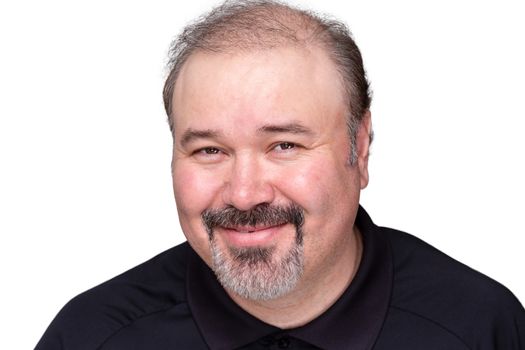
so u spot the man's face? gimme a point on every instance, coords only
(261, 156)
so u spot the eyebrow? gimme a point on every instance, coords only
(291, 128)
(192, 134)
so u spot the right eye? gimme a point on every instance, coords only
(207, 151)
(208, 154)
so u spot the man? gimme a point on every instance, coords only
(269, 110)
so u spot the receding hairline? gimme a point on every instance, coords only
(247, 26)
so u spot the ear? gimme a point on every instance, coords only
(363, 147)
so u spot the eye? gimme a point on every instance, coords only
(284, 146)
(207, 154)
(208, 150)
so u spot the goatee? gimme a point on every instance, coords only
(253, 272)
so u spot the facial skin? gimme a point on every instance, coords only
(268, 127)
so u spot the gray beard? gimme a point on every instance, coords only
(253, 273)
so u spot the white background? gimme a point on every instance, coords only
(85, 188)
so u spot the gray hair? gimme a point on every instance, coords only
(243, 25)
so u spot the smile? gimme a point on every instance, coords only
(250, 236)
(250, 229)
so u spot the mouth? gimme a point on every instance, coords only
(250, 229)
(250, 236)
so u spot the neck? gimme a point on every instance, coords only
(310, 298)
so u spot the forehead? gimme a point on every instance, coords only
(257, 86)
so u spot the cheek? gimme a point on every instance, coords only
(195, 190)
(316, 185)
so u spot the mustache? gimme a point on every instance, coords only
(263, 214)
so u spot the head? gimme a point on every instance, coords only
(268, 107)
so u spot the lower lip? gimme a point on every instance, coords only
(262, 237)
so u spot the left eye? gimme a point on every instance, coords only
(283, 146)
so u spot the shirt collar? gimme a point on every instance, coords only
(354, 321)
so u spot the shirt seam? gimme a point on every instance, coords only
(435, 323)
(105, 341)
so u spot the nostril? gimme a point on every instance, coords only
(247, 197)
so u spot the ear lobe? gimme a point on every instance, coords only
(364, 138)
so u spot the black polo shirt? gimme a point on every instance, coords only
(405, 295)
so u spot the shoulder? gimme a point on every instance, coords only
(92, 317)
(433, 287)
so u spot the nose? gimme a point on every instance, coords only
(248, 184)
